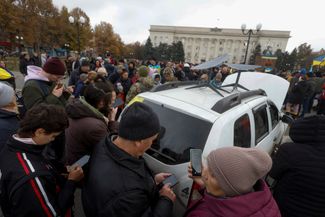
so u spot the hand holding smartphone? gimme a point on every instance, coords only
(196, 161)
(172, 180)
(81, 162)
(59, 85)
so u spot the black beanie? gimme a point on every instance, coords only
(138, 122)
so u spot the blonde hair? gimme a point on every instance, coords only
(102, 72)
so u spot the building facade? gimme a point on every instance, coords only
(203, 44)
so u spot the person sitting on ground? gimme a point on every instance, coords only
(298, 169)
(9, 121)
(233, 185)
(29, 185)
(120, 182)
(91, 118)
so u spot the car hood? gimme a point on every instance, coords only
(275, 87)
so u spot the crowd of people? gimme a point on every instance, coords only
(63, 123)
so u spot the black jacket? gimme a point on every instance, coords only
(29, 185)
(74, 76)
(120, 185)
(298, 92)
(23, 65)
(299, 170)
(9, 124)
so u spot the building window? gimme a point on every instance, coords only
(220, 42)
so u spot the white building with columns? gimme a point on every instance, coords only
(203, 44)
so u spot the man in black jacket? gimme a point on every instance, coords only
(29, 186)
(75, 74)
(120, 183)
(299, 170)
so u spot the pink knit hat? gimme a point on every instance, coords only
(238, 169)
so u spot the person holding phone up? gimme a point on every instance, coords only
(232, 183)
(44, 85)
(91, 118)
(120, 182)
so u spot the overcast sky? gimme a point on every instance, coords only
(132, 18)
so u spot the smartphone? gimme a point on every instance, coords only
(172, 180)
(81, 162)
(196, 161)
(59, 85)
(118, 102)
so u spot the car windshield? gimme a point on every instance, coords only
(180, 133)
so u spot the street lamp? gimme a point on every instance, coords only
(19, 38)
(249, 32)
(81, 21)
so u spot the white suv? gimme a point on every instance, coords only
(203, 119)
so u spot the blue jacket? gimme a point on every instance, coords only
(9, 124)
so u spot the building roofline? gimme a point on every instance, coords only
(215, 31)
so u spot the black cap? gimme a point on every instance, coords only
(138, 122)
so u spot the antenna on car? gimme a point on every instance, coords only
(209, 85)
(210, 64)
(241, 68)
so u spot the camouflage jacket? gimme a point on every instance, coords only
(142, 85)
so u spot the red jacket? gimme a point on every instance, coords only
(256, 204)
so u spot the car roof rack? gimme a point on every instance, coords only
(235, 99)
(173, 85)
(209, 85)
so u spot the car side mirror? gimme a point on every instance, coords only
(287, 119)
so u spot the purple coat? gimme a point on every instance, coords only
(256, 204)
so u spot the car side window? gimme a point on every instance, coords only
(261, 124)
(274, 114)
(242, 132)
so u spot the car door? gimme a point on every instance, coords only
(261, 125)
(276, 127)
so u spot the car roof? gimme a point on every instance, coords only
(196, 102)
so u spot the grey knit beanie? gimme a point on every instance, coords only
(6, 94)
(238, 169)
